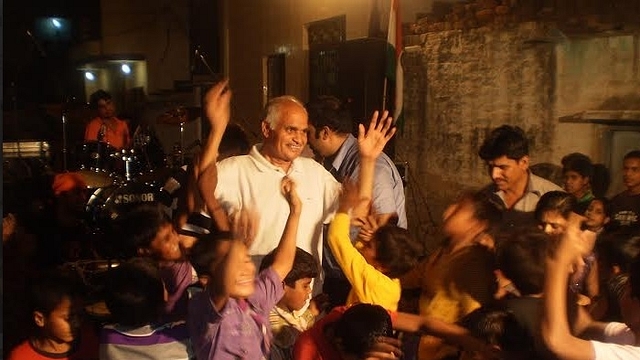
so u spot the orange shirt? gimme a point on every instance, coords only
(116, 135)
(87, 350)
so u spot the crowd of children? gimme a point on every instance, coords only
(567, 288)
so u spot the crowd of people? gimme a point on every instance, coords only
(275, 255)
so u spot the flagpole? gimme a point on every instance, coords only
(384, 94)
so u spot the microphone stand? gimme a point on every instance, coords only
(204, 61)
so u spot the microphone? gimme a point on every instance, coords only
(36, 44)
(194, 61)
(102, 132)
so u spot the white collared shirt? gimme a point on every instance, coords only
(251, 181)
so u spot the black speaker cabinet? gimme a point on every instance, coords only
(353, 71)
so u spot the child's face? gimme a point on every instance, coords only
(61, 324)
(241, 270)
(459, 219)
(596, 217)
(553, 223)
(166, 245)
(575, 184)
(296, 297)
(631, 173)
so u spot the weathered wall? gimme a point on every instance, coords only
(460, 84)
(594, 74)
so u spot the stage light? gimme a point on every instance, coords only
(126, 69)
(56, 23)
(89, 76)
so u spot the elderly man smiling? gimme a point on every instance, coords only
(253, 181)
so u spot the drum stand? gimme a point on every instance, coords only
(64, 139)
(181, 150)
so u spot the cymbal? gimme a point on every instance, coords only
(179, 115)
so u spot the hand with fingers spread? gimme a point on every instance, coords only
(381, 130)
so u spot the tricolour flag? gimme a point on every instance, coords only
(394, 73)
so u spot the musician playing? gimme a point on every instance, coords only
(106, 127)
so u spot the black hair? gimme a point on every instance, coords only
(579, 163)
(619, 248)
(359, 327)
(560, 201)
(135, 292)
(634, 277)
(396, 250)
(329, 111)
(606, 204)
(485, 207)
(521, 258)
(234, 141)
(498, 327)
(601, 180)
(506, 140)
(97, 96)
(138, 227)
(204, 252)
(633, 154)
(304, 266)
(48, 290)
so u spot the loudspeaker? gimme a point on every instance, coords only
(354, 72)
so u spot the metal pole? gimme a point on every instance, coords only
(64, 139)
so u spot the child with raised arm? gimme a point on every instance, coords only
(458, 277)
(567, 257)
(372, 267)
(229, 319)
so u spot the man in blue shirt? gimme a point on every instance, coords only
(331, 139)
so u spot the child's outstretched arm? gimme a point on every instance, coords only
(451, 333)
(574, 244)
(286, 250)
(217, 102)
(370, 146)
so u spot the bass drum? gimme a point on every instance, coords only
(107, 204)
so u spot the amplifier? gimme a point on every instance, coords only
(26, 149)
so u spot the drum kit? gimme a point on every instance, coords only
(118, 180)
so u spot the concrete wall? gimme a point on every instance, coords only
(461, 84)
(280, 27)
(594, 74)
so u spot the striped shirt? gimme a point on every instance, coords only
(167, 342)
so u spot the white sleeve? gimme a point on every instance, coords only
(606, 351)
(618, 333)
(332, 190)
